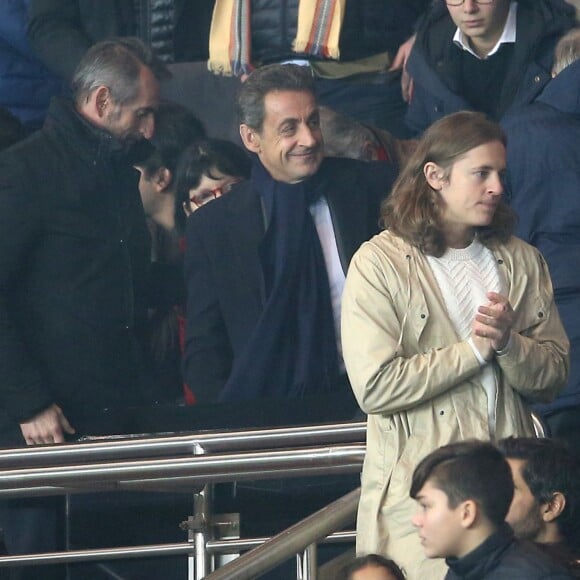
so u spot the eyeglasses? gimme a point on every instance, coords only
(203, 197)
(460, 2)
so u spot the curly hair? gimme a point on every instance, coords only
(413, 210)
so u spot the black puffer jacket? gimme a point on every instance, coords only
(60, 31)
(369, 27)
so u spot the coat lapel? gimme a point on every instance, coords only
(245, 230)
(349, 215)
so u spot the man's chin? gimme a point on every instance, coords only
(310, 166)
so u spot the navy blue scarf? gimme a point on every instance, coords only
(292, 351)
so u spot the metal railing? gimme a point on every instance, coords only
(295, 539)
(192, 461)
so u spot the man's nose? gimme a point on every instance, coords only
(416, 519)
(496, 185)
(307, 136)
(147, 128)
(470, 6)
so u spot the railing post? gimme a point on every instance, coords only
(202, 529)
(309, 563)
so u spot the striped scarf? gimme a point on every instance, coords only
(318, 33)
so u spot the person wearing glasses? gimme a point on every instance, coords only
(483, 55)
(207, 170)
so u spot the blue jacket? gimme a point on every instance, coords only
(434, 61)
(543, 187)
(26, 85)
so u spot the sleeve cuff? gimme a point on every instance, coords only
(480, 359)
(506, 348)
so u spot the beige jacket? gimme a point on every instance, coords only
(418, 382)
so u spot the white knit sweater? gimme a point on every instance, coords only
(464, 277)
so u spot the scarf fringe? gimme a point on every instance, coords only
(230, 42)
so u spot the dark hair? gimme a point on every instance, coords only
(413, 210)
(550, 467)
(272, 77)
(176, 127)
(200, 159)
(469, 470)
(372, 560)
(344, 136)
(11, 129)
(115, 63)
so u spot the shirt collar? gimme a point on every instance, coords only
(508, 34)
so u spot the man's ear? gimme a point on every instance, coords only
(162, 179)
(369, 151)
(434, 175)
(102, 101)
(552, 509)
(468, 513)
(250, 138)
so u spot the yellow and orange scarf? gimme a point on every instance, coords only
(318, 33)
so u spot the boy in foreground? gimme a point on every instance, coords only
(464, 491)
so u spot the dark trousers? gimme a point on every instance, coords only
(32, 525)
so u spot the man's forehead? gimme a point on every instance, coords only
(148, 88)
(289, 104)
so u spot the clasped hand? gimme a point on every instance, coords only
(492, 325)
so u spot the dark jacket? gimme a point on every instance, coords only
(369, 27)
(26, 85)
(74, 254)
(60, 31)
(502, 557)
(543, 183)
(435, 61)
(223, 272)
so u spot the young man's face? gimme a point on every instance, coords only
(438, 525)
(483, 24)
(524, 515)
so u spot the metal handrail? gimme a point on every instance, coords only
(103, 448)
(177, 549)
(151, 463)
(291, 541)
(185, 471)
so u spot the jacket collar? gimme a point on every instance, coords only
(485, 557)
(88, 140)
(245, 217)
(508, 35)
(563, 92)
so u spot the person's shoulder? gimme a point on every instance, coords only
(34, 151)
(518, 248)
(385, 247)
(522, 560)
(236, 202)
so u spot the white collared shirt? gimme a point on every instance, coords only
(323, 221)
(508, 35)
